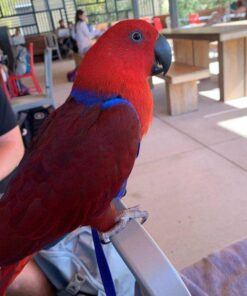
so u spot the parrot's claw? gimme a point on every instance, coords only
(122, 220)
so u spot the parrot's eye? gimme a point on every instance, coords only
(136, 36)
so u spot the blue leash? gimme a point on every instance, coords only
(100, 256)
(105, 272)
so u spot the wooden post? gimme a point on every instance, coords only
(232, 69)
(182, 97)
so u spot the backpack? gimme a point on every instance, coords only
(30, 122)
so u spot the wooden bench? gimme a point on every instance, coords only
(181, 87)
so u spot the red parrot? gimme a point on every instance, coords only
(86, 149)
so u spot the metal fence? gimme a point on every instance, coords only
(39, 16)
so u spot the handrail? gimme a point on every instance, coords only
(150, 266)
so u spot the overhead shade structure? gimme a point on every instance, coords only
(173, 13)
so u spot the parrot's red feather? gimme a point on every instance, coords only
(84, 154)
(70, 181)
(117, 65)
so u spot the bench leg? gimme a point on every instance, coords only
(182, 97)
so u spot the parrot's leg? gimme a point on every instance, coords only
(122, 220)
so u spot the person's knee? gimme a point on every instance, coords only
(14, 289)
(31, 282)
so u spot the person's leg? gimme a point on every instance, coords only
(31, 282)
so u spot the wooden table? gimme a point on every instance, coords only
(191, 46)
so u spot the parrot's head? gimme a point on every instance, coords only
(121, 62)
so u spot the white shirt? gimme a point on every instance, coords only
(83, 37)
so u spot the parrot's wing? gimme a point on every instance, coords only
(70, 176)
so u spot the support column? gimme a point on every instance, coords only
(173, 13)
(135, 6)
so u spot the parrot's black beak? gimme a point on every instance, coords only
(163, 56)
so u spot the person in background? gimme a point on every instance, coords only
(17, 33)
(223, 13)
(11, 144)
(71, 28)
(18, 38)
(84, 40)
(22, 60)
(3, 66)
(84, 33)
(239, 7)
(85, 36)
(65, 40)
(22, 66)
(61, 24)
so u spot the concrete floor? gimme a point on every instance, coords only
(191, 174)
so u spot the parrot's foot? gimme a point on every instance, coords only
(122, 220)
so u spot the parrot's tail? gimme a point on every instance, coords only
(9, 273)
